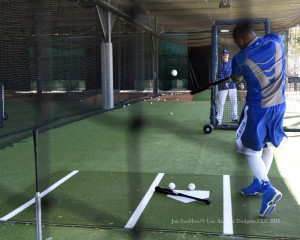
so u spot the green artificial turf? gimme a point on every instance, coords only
(166, 213)
(203, 96)
(93, 198)
(141, 139)
(10, 231)
(283, 222)
(12, 198)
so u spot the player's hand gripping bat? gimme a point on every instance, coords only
(207, 86)
(170, 192)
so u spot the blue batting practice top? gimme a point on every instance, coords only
(262, 65)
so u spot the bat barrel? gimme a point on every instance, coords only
(207, 86)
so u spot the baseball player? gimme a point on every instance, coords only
(261, 63)
(226, 88)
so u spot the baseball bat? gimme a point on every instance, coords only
(207, 86)
(170, 192)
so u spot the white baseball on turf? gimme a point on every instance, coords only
(174, 72)
(172, 186)
(171, 113)
(192, 186)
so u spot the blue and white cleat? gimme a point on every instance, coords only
(270, 196)
(253, 189)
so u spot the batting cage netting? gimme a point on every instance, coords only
(73, 61)
(52, 69)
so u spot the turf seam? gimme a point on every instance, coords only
(148, 230)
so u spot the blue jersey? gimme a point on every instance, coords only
(224, 71)
(262, 65)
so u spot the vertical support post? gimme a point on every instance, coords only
(38, 216)
(267, 26)
(155, 61)
(107, 69)
(38, 211)
(109, 25)
(107, 76)
(120, 55)
(214, 69)
(155, 68)
(42, 33)
(1, 105)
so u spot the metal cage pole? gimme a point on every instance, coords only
(1, 105)
(213, 74)
(38, 206)
(107, 68)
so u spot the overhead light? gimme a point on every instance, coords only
(224, 30)
(224, 4)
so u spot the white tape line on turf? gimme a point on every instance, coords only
(227, 207)
(139, 210)
(32, 201)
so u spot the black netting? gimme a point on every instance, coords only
(51, 63)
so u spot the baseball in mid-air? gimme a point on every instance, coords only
(192, 186)
(171, 113)
(172, 186)
(174, 72)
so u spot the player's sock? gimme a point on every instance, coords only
(267, 157)
(258, 167)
